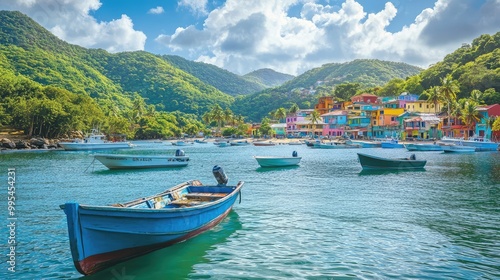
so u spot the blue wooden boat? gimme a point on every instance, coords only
(374, 162)
(391, 144)
(101, 236)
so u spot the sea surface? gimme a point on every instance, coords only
(324, 219)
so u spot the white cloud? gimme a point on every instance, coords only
(196, 6)
(156, 11)
(242, 36)
(71, 21)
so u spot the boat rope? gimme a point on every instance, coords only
(240, 196)
(92, 163)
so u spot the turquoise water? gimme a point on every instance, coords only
(325, 219)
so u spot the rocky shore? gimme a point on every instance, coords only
(28, 144)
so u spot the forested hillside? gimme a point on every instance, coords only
(268, 77)
(363, 72)
(221, 79)
(28, 49)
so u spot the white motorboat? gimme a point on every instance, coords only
(94, 141)
(122, 161)
(271, 161)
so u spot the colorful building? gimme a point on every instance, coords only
(335, 123)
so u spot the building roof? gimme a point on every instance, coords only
(335, 113)
(278, 125)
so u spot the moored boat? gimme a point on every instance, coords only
(264, 143)
(391, 144)
(270, 161)
(122, 161)
(94, 141)
(481, 144)
(335, 145)
(101, 236)
(239, 143)
(374, 162)
(455, 148)
(423, 147)
(365, 144)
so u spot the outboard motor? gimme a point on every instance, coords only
(179, 153)
(219, 175)
(294, 154)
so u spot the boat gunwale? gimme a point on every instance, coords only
(120, 209)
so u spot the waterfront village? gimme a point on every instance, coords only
(367, 116)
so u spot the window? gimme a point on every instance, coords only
(420, 105)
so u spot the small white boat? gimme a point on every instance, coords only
(264, 143)
(94, 141)
(365, 144)
(121, 161)
(181, 143)
(269, 161)
(481, 144)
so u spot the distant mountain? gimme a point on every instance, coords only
(366, 72)
(29, 49)
(268, 77)
(219, 78)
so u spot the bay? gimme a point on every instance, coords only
(324, 219)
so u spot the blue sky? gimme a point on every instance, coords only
(290, 36)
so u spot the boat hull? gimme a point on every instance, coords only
(458, 149)
(69, 146)
(479, 145)
(132, 162)
(373, 162)
(423, 147)
(277, 161)
(101, 236)
(335, 146)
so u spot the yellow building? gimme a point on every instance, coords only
(387, 116)
(422, 106)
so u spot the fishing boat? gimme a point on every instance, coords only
(374, 162)
(239, 143)
(264, 143)
(365, 144)
(203, 141)
(335, 145)
(480, 143)
(94, 141)
(455, 148)
(270, 161)
(122, 161)
(391, 144)
(102, 236)
(181, 143)
(223, 144)
(423, 147)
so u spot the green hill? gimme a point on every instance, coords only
(221, 79)
(366, 72)
(30, 50)
(268, 77)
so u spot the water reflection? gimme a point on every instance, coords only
(177, 261)
(365, 172)
(282, 168)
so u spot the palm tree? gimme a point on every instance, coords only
(448, 90)
(280, 113)
(434, 97)
(314, 118)
(477, 96)
(469, 114)
(228, 116)
(217, 115)
(294, 109)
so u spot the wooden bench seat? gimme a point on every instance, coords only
(205, 195)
